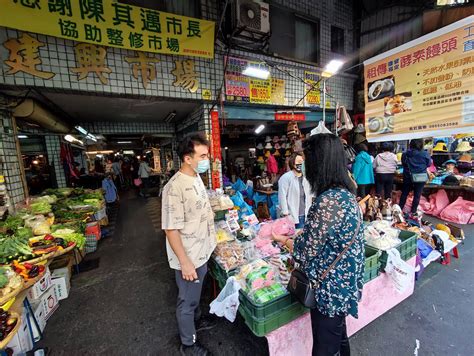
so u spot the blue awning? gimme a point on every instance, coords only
(264, 114)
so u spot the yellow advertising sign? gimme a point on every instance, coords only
(113, 24)
(423, 88)
(260, 91)
(313, 94)
(241, 88)
(278, 91)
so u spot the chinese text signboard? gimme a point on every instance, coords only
(24, 56)
(113, 24)
(312, 91)
(241, 88)
(422, 88)
(289, 117)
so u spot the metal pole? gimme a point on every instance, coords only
(324, 100)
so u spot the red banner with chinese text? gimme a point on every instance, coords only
(216, 151)
(289, 117)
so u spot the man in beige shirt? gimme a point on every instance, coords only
(188, 221)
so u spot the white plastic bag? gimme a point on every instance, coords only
(320, 129)
(227, 302)
(401, 273)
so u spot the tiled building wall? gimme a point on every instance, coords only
(329, 12)
(53, 148)
(58, 56)
(9, 164)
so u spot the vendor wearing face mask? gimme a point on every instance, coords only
(294, 192)
(188, 221)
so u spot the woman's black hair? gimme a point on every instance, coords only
(362, 147)
(292, 160)
(326, 164)
(416, 144)
(387, 146)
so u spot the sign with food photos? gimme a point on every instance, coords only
(423, 88)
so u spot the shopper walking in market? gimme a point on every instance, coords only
(188, 221)
(332, 230)
(415, 163)
(294, 192)
(385, 165)
(363, 171)
(144, 173)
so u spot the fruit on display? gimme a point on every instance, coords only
(7, 323)
(28, 270)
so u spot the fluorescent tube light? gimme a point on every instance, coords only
(81, 130)
(22, 136)
(332, 67)
(259, 129)
(124, 142)
(255, 72)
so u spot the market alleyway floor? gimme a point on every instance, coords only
(127, 304)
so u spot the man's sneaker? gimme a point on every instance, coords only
(205, 323)
(194, 350)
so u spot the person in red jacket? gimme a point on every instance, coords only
(272, 166)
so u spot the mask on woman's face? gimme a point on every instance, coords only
(298, 167)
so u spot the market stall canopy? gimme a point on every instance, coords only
(263, 114)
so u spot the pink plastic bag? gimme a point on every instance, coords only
(284, 226)
(460, 212)
(438, 201)
(409, 203)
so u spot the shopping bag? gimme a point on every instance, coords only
(344, 122)
(401, 273)
(320, 129)
(227, 302)
(137, 182)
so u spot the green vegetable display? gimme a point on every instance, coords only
(3, 277)
(12, 223)
(71, 236)
(12, 248)
(24, 234)
(40, 208)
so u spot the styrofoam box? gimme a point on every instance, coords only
(62, 287)
(37, 290)
(21, 342)
(39, 313)
(61, 272)
(49, 302)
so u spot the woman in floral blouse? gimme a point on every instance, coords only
(330, 226)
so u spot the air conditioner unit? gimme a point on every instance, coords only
(253, 16)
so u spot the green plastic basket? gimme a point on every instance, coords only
(407, 248)
(261, 327)
(266, 310)
(372, 264)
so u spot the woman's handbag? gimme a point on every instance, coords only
(419, 177)
(137, 182)
(302, 288)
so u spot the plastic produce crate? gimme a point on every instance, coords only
(372, 264)
(261, 327)
(266, 310)
(407, 248)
